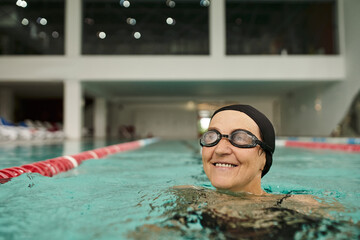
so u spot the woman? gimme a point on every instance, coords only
(236, 153)
(237, 149)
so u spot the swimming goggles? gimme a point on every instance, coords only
(239, 138)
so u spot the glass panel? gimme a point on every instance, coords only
(31, 27)
(281, 27)
(145, 27)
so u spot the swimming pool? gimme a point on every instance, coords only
(129, 195)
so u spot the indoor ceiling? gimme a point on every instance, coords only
(207, 90)
(155, 91)
(30, 89)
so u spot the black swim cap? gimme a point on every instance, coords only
(266, 129)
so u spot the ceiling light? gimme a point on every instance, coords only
(125, 3)
(25, 22)
(137, 35)
(170, 21)
(170, 3)
(204, 3)
(131, 21)
(101, 35)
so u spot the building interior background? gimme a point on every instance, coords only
(143, 68)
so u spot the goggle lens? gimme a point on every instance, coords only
(209, 137)
(238, 138)
(242, 138)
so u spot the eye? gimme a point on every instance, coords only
(210, 137)
(242, 138)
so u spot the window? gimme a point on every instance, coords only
(145, 27)
(33, 27)
(281, 27)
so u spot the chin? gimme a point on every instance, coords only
(220, 184)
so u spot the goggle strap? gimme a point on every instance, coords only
(265, 146)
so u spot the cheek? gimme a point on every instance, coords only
(249, 158)
(258, 160)
(245, 155)
(262, 160)
(206, 157)
(206, 154)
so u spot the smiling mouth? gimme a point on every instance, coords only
(229, 165)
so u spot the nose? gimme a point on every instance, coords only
(223, 147)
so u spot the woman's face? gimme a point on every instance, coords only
(243, 168)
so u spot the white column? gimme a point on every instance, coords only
(73, 16)
(7, 104)
(72, 87)
(72, 109)
(217, 29)
(100, 117)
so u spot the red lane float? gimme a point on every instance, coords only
(57, 165)
(322, 145)
(12, 172)
(34, 169)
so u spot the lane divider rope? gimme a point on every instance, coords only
(72, 160)
(51, 167)
(322, 145)
(331, 144)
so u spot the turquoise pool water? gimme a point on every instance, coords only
(17, 154)
(129, 195)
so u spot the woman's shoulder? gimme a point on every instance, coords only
(305, 198)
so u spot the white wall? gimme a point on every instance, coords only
(160, 120)
(166, 123)
(184, 68)
(298, 114)
(175, 120)
(126, 116)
